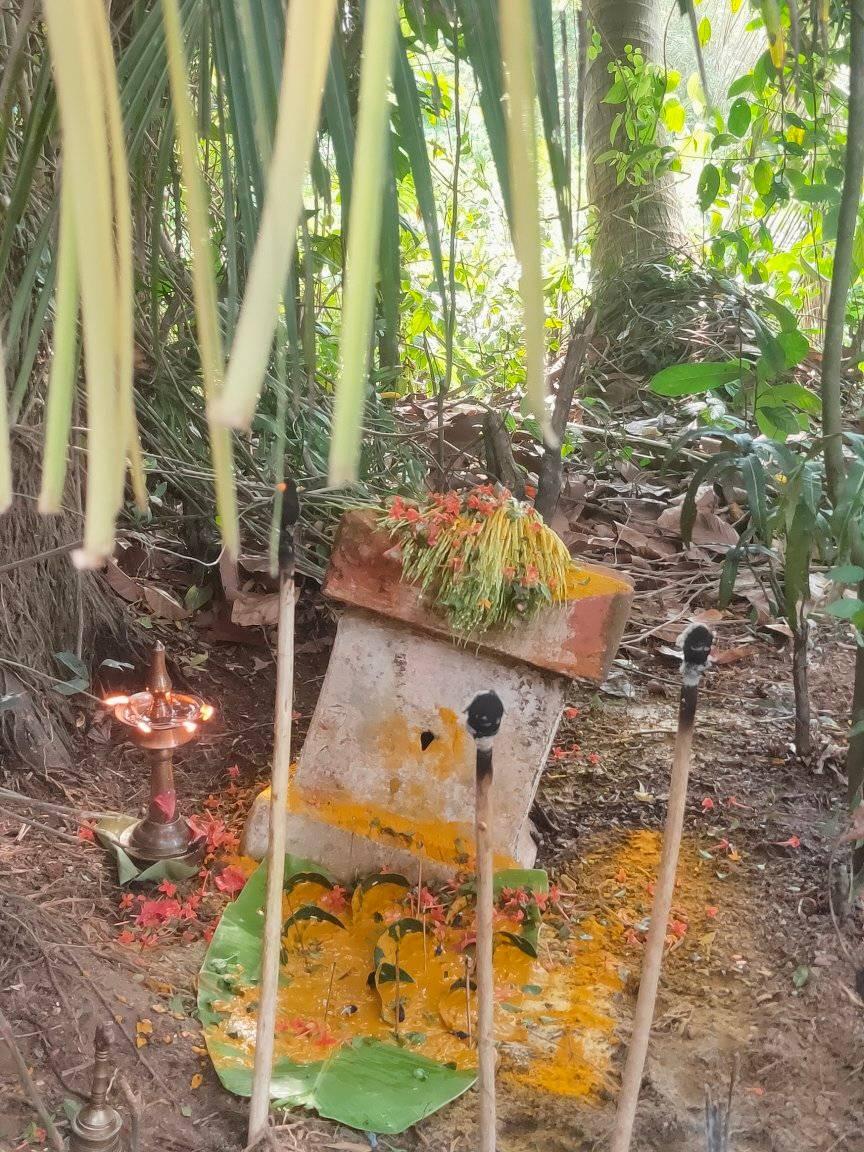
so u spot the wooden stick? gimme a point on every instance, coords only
(697, 642)
(484, 719)
(259, 1105)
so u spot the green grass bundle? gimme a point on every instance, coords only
(486, 559)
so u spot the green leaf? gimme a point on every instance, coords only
(80, 681)
(858, 250)
(846, 608)
(307, 57)
(340, 125)
(550, 113)
(364, 233)
(739, 117)
(708, 186)
(790, 393)
(480, 22)
(728, 576)
(74, 663)
(197, 596)
(799, 547)
(517, 35)
(776, 423)
(369, 1084)
(412, 138)
(689, 379)
(742, 84)
(795, 347)
(673, 115)
(786, 319)
(520, 942)
(753, 476)
(311, 912)
(617, 94)
(536, 879)
(763, 177)
(846, 574)
(773, 361)
(387, 973)
(801, 975)
(704, 31)
(695, 90)
(306, 878)
(817, 194)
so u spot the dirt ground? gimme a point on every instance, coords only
(758, 979)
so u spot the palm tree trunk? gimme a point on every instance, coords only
(634, 223)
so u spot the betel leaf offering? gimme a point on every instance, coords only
(486, 559)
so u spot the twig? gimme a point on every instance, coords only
(329, 992)
(54, 1137)
(697, 646)
(136, 1109)
(484, 720)
(259, 1105)
(67, 837)
(57, 809)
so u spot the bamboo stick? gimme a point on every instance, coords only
(484, 719)
(259, 1105)
(696, 642)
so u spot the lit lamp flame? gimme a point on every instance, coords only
(113, 701)
(145, 726)
(206, 711)
(190, 725)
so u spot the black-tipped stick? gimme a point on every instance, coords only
(259, 1105)
(484, 719)
(696, 642)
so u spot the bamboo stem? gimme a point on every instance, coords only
(484, 719)
(259, 1105)
(485, 971)
(697, 645)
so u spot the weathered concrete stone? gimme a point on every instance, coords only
(386, 776)
(388, 759)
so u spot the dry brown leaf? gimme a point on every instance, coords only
(654, 547)
(732, 655)
(254, 609)
(164, 605)
(122, 584)
(708, 616)
(196, 1081)
(708, 529)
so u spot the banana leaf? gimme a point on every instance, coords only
(368, 1085)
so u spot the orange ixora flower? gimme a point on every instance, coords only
(486, 559)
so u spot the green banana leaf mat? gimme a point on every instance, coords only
(368, 1084)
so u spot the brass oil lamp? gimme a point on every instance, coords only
(96, 1126)
(160, 720)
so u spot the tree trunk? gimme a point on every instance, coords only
(634, 223)
(552, 464)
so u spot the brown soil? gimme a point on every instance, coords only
(762, 980)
